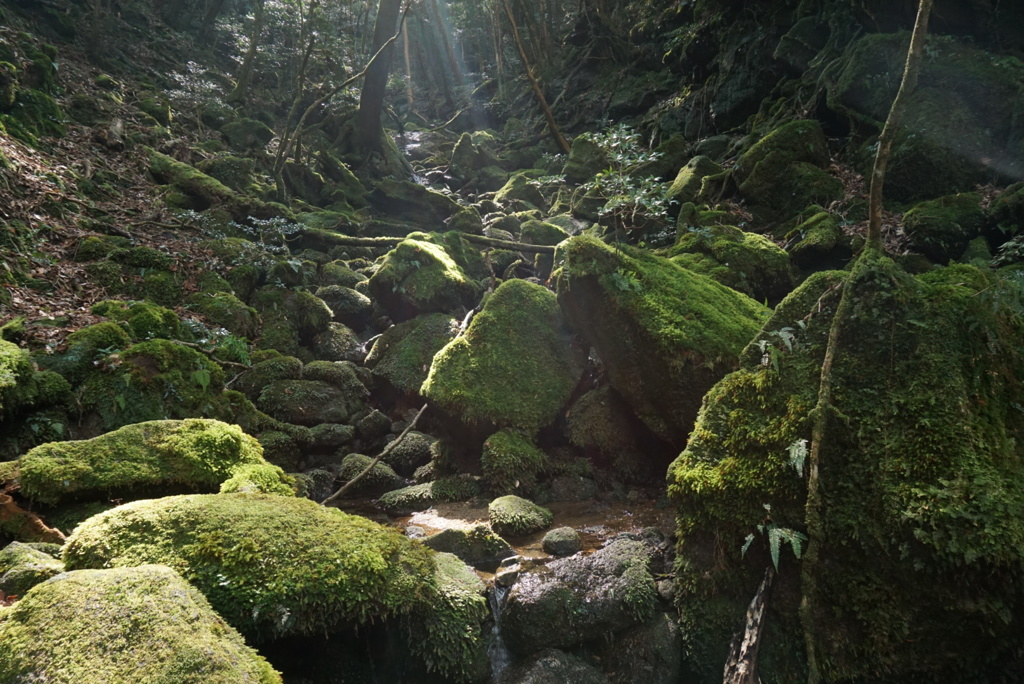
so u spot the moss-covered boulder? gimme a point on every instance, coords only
(581, 598)
(381, 477)
(959, 122)
(746, 262)
(350, 307)
(687, 185)
(586, 160)
(22, 388)
(411, 453)
(421, 276)
(290, 317)
(515, 516)
(513, 367)
(541, 233)
(304, 402)
(121, 625)
(690, 328)
(144, 319)
(202, 191)
(142, 458)
(820, 243)
(414, 203)
(603, 425)
(276, 566)
(476, 545)
(422, 496)
(782, 173)
(520, 194)
(152, 380)
(941, 228)
(920, 566)
(247, 134)
(23, 566)
(227, 311)
(561, 541)
(511, 462)
(261, 374)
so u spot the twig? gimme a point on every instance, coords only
(341, 492)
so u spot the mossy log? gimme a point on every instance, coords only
(388, 242)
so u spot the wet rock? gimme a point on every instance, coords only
(561, 541)
(581, 598)
(552, 666)
(514, 516)
(478, 545)
(651, 653)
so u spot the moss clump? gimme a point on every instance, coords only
(413, 202)
(352, 308)
(203, 191)
(408, 500)
(380, 478)
(226, 311)
(941, 228)
(234, 172)
(687, 185)
(337, 343)
(516, 516)
(252, 382)
(690, 327)
(921, 550)
(247, 134)
(403, 354)
(337, 273)
(511, 462)
(150, 381)
(513, 367)
(420, 276)
(520, 193)
(134, 624)
(541, 233)
(144, 319)
(302, 313)
(158, 455)
(259, 478)
(21, 387)
(98, 247)
(746, 262)
(411, 453)
(272, 566)
(303, 402)
(142, 257)
(821, 243)
(23, 566)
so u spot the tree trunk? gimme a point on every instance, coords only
(911, 70)
(238, 95)
(371, 99)
(213, 11)
(741, 667)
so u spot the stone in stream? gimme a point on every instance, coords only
(561, 541)
(515, 516)
(478, 545)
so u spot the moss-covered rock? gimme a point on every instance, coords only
(422, 496)
(746, 262)
(414, 203)
(227, 311)
(514, 516)
(23, 566)
(922, 529)
(411, 453)
(337, 343)
(421, 276)
(941, 228)
(247, 134)
(127, 624)
(603, 425)
(586, 160)
(303, 402)
(380, 478)
(299, 314)
(338, 273)
(147, 458)
(477, 545)
(687, 185)
(144, 319)
(203, 191)
(581, 598)
(513, 367)
(234, 172)
(350, 307)
(520, 194)
(152, 380)
(690, 327)
(320, 570)
(511, 462)
(782, 173)
(22, 388)
(561, 541)
(821, 243)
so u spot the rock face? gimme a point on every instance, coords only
(552, 666)
(690, 328)
(922, 478)
(165, 455)
(403, 354)
(126, 624)
(580, 598)
(513, 367)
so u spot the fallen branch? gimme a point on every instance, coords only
(387, 450)
(25, 525)
(741, 667)
(348, 241)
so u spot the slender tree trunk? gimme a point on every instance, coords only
(911, 71)
(371, 99)
(556, 133)
(238, 95)
(213, 11)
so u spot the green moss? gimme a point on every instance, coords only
(304, 402)
(420, 276)
(338, 374)
(106, 274)
(515, 516)
(303, 312)
(940, 229)
(511, 462)
(150, 457)
(407, 500)
(158, 108)
(259, 478)
(413, 202)
(136, 624)
(203, 190)
(97, 247)
(234, 172)
(247, 134)
(586, 160)
(144, 319)
(162, 287)
(244, 280)
(519, 193)
(319, 570)
(513, 367)
(337, 343)
(22, 566)
(380, 478)
(142, 257)
(687, 185)
(227, 311)
(746, 262)
(403, 354)
(690, 328)
(337, 273)
(541, 233)
(821, 242)
(34, 115)
(921, 550)
(263, 373)
(150, 381)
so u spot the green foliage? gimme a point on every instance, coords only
(77, 628)
(630, 200)
(776, 537)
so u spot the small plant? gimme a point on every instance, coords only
(632, 201)
(777, 536)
